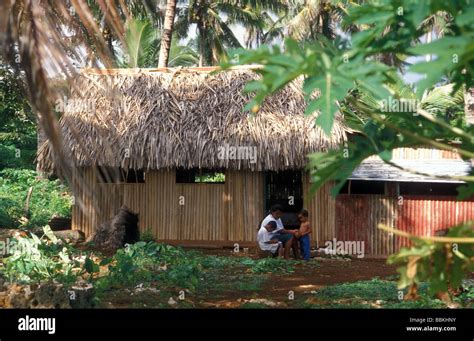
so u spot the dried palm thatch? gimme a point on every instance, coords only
(154, 119)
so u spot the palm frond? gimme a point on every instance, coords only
(183, 55)
(141, 44)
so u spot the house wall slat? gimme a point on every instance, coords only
(322, 210)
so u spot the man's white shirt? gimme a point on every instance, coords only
(269, 218)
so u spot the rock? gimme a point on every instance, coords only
(50, 296)
(264, 301)
(15, 295)
(264, 254)
(60, 224)
(70, 236)
(81, 296)
(171, 301)
(46, 295)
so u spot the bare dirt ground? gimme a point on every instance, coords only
(274, 292)
(274, 289)
(327, 272)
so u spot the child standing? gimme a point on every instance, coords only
(303, 234)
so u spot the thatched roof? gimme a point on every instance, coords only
(154, 119)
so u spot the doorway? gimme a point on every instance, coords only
(285, 188)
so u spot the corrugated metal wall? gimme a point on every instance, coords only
(357, 218)
(426, 215)
(420, 154)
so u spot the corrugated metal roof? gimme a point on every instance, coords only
(378, 170)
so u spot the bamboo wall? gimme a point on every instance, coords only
(244, 202)
(207, 212)
(322, 210)
(210, 212)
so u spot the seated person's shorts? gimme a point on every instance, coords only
(283, 237)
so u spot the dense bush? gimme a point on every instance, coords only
(34, 259)
(10, 159)
(18, 142)
(48, 198)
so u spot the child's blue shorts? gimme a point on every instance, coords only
(305, 246)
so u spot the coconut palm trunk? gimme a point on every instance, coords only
(469, 105)
(167, 33)
(201, 44)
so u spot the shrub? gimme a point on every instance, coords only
(35, 259)
(147, 236)
(49, 198)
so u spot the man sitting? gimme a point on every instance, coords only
(280, 233)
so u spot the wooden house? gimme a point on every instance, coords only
(177, 147)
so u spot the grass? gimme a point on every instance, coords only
(375, 293)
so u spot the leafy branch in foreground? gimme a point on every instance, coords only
(442, 265)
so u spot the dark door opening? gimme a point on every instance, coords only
(286, 189)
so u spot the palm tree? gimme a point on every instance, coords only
(183, 55)
(307, 19)
(440, 102)
(213, 20)
(142, 44)
(167, 33)
(270, 27)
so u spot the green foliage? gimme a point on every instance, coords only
(211, 177)
(366, 294)
(17, 123)
(147, 236)
(49, 198)
(213, 20)
(146, 262)
(349, 78)
(34, 259)
(328, 71)
(150, 262)
(131, 265)
(375, 289)
(142, 45)
(441, 265)
(270, 265)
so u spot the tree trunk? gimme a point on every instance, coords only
(40, 138)
(469, 105)
(167, 33)
(26, 211)
(202, 45)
